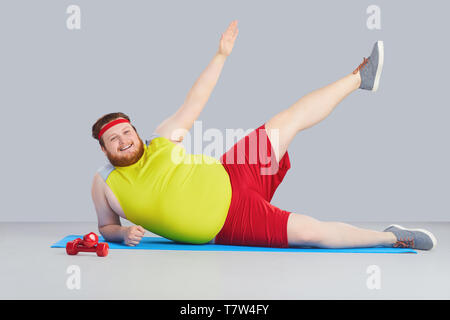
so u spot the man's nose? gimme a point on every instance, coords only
(123, 142)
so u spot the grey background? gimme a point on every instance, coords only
(378, 157)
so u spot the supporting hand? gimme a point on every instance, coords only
(133, 235)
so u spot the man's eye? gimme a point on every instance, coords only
(113, 138)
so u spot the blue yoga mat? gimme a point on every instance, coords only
(158, 243)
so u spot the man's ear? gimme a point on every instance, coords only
(103, 149)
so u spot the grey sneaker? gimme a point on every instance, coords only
(412, 238)
(370, 68)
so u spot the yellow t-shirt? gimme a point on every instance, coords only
(179, 196)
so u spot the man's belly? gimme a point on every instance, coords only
(115, 205)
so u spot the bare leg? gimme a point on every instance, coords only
(306, 231)
(308, 110)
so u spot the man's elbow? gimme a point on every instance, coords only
(101, 230)
(112, 232)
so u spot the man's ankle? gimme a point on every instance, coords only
(390, 238)
(357, 79)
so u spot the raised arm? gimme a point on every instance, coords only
(176, 126)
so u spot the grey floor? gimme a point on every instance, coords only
(30, 269)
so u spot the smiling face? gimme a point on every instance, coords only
(123, 146)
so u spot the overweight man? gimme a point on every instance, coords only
(198, 199)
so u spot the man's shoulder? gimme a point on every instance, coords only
(98, 182)
(105, 170)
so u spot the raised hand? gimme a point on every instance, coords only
(228, 38)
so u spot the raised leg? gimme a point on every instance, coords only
(317, 105)
(307, 111)
(303, 230)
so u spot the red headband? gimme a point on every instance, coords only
(109, 125)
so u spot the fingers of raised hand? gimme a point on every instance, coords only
(232, 30)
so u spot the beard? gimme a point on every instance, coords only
(127, 158)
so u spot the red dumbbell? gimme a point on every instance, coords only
(89, 243)
(90, 240)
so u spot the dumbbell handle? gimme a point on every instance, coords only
(81, 248)
(87, 244)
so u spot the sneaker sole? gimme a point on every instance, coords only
(428, 233)
(380, 65)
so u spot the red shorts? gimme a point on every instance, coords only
(254, 175)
